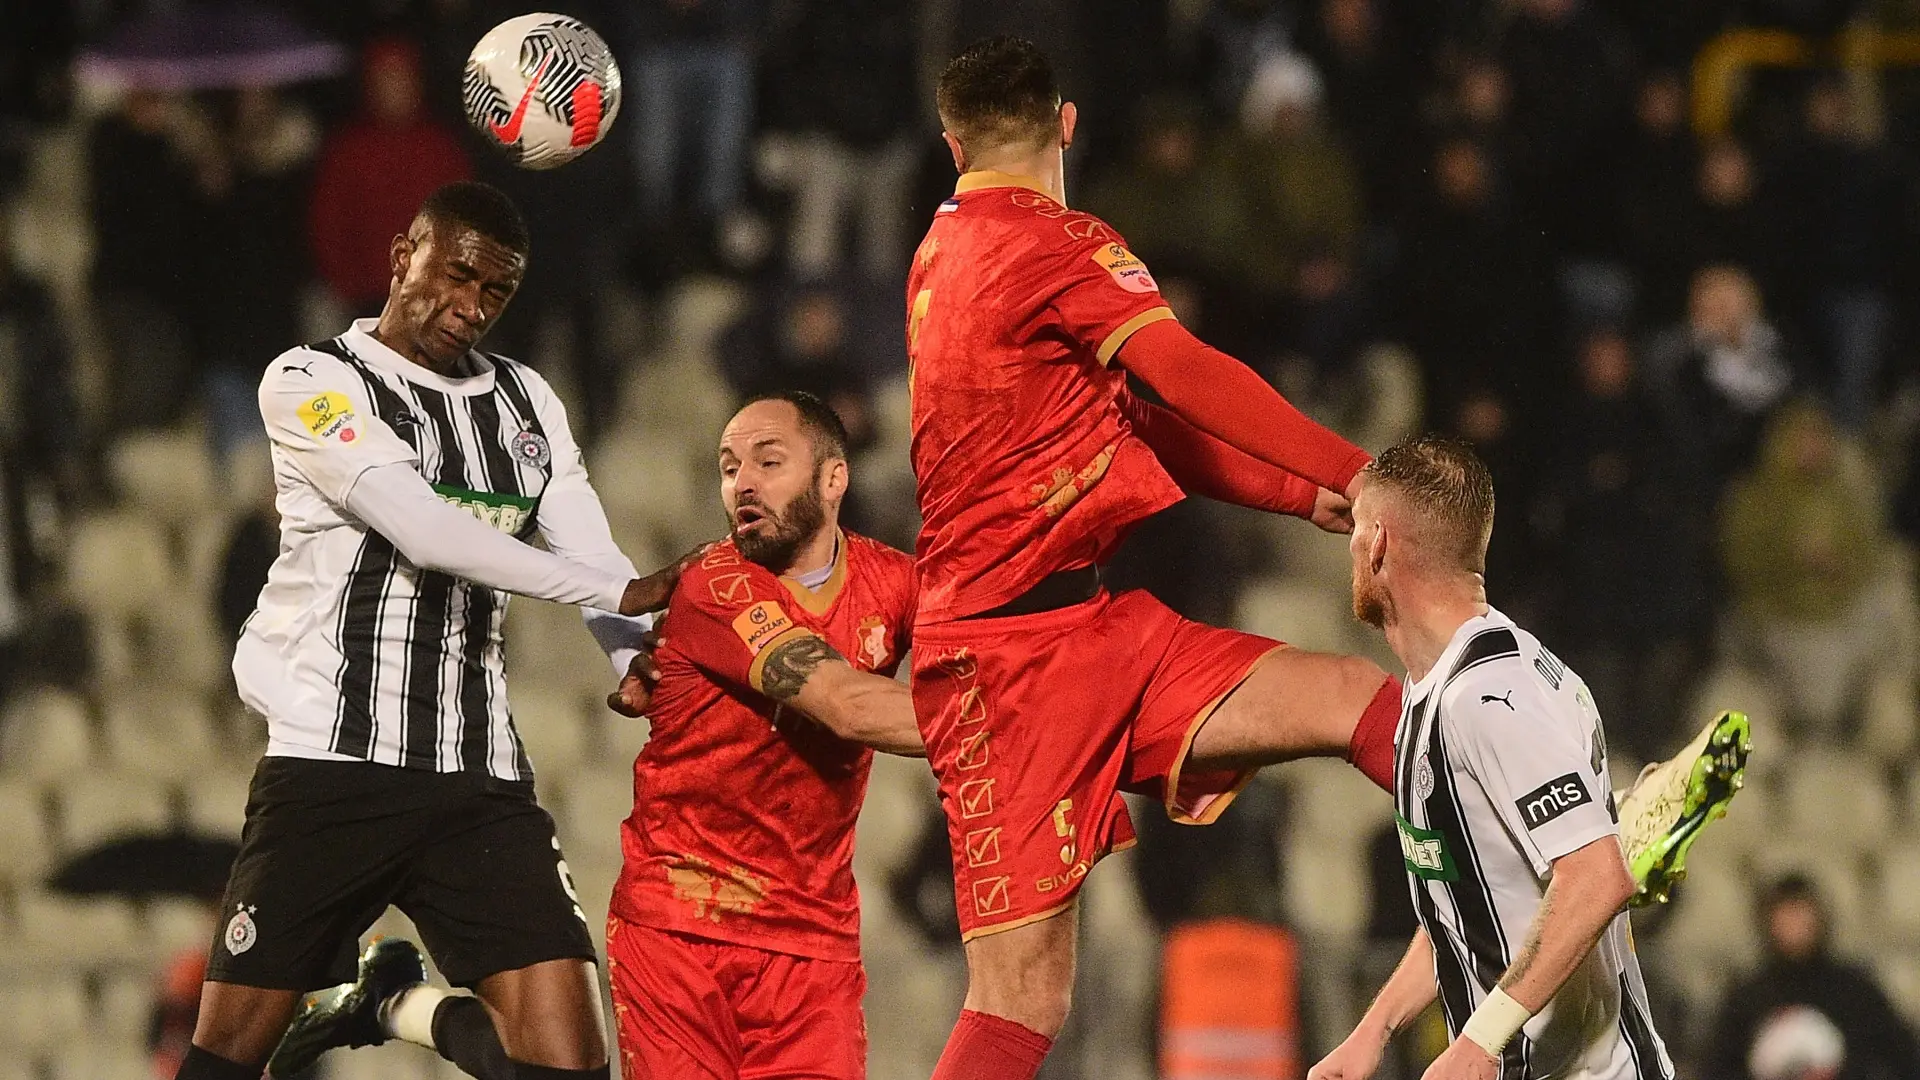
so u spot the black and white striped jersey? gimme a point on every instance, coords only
(1501, 768)
(353, 653)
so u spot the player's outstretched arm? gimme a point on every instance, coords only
(1590, 886)
(1226, 399)
(1406, 995)
(811, 676)
(1206, 466)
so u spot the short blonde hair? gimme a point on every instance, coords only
(1448, 489)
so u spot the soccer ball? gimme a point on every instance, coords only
(544, 88)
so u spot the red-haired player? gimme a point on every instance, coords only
(1040, 695)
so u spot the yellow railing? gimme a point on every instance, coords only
(1722, 65)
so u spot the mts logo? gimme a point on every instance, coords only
(1553, 798)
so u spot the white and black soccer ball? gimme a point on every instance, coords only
(542, 87)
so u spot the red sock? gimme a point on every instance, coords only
(1371, 750)
(986, 1047)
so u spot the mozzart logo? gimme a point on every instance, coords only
(1553, 798)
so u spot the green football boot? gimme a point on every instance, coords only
(1673, 800)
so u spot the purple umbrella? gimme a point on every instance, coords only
(200, 48)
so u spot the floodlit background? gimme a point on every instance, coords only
(1655, 259)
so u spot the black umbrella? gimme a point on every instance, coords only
(160, 864)
(201, 48)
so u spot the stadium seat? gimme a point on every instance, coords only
(552, 725)
(1326, 889)
(595, 803)
(123, 1008)
(1732, 686)
(1332, 802)
(217, 802)
(46, 734)
(1899, 971)
(1890, 721)
(98, 807)
(616, 741)
(42, 1010)
(128, 1060)
(175, 925)
(166, 736)
(23, 822)
(651, 486)
(167, 475)
(1294, 610)
(1838, 797)
(1896, 893)
(60, 930)
(899, 796)
(1710, 920)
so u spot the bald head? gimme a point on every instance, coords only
(1440, 494)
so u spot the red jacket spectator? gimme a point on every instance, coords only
(374, 173)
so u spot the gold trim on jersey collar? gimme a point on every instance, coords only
(820, 601)
(987, 178)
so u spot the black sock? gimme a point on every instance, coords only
(524, 1071)
(464, 1035)
(206, 1065)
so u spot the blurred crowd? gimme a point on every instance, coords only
(1686, 348)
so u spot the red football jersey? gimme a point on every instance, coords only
(743, 810)
(1015, 307)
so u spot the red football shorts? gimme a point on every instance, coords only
(707, 1010)
(1034, 724)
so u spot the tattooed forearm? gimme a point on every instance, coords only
(1530, 951)
(789, 666)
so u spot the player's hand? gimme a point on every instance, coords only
(1464, 1059)
(650, 593)
(635, 693)
(1332, 511)
(1355, 1059)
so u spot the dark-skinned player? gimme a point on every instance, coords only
(412, 475)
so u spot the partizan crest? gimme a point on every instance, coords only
(241, 932)
(531, 448)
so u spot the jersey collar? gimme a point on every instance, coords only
(371, 349)
(820, 601)
(987, 178)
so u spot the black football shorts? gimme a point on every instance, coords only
(328, 845)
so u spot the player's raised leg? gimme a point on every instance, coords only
(1296, 704)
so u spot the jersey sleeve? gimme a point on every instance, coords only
(1536, 757)
(318, 414)
(726, 619)
(1104, 293)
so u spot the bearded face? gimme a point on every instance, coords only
(772, 536)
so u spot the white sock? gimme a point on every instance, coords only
(408, 1014)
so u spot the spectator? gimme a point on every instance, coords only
(1842, 199)
(1470, 283)
(39, 410)
(374, 172)
(1300, 182)
(1571, 111)
(840, 88)
(1718, 376)
(1764, 1020)
(1237, 38)
(1621, 494)
(142, 175)
(253, 266)
(1657, 197)
(1176, 203)
(1802, 544)
(1371, 94)
(692, 85)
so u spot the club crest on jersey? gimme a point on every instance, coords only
(241, 933)
(329, 416)
(530, 448)
(1423, 777)
(872, 638)
(1128, 271)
